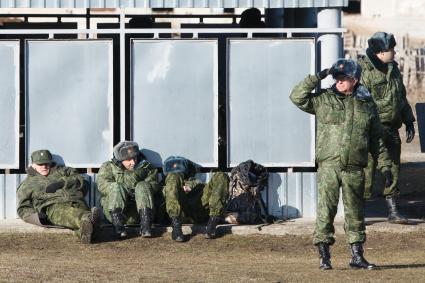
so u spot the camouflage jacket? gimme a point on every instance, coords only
(348, 127)
(32, 195)
(112, 172)
(388, 92)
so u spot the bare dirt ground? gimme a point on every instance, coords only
(56, 257)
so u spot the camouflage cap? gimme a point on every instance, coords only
(346, 67)
(126, 150)
(381, 42)
(42, 156)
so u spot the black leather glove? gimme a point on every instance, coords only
(388, 178)
(410, 132)
(53, 187)
(322, 74)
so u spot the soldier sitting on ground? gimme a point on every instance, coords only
(54, 195)
(128, 184)
(189, 199)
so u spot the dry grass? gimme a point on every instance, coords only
(53, 257)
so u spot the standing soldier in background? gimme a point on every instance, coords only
(127, 185)
(382, 78)
(54, 195)
(187, 198)
(348, 128)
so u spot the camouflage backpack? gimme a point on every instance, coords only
(245, 205)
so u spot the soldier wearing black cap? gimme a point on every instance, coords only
(54, 195)
(127, 184)
(383, 79)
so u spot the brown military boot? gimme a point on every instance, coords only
(86, 230)
(90, 226)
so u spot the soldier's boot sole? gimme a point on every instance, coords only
(366, 267)
(146, 234)
(401, 221)
(86, 231)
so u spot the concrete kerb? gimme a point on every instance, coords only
(299, 226)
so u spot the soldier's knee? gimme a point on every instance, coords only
(116, 188)
(143, 186)
(220, 177)
(174, 178)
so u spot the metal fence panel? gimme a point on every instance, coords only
(9, 106)
(174, 99)
(69, 99)
(171, 4)
(263, 124)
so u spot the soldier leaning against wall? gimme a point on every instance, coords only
(54, 195)
(128, 186)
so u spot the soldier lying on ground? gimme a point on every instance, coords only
(128, 184)
(188, 199)
(348, 127)
(54, 195)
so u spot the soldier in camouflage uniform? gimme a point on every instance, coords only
(188, 198)
(348, 128)
(54, 195)
(382, 78)
(128, 184)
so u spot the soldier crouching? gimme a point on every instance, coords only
(128, 184)
(190, 199)
(54, 195)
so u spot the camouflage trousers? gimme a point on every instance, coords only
(201, 202)
(69, 215)
(330, 179)
(393, 144)
(130, 201)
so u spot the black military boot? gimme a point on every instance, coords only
(357, 259)
(118, 222)
(145, 222)
(393, 215)
(177, 233)
(211, 227)
(324, 256)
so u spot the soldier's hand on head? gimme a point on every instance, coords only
(388, 178)
(410, 132)
(53, 187)
(322, 74)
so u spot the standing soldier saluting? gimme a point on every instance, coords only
(348, 128)
(382, 78)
